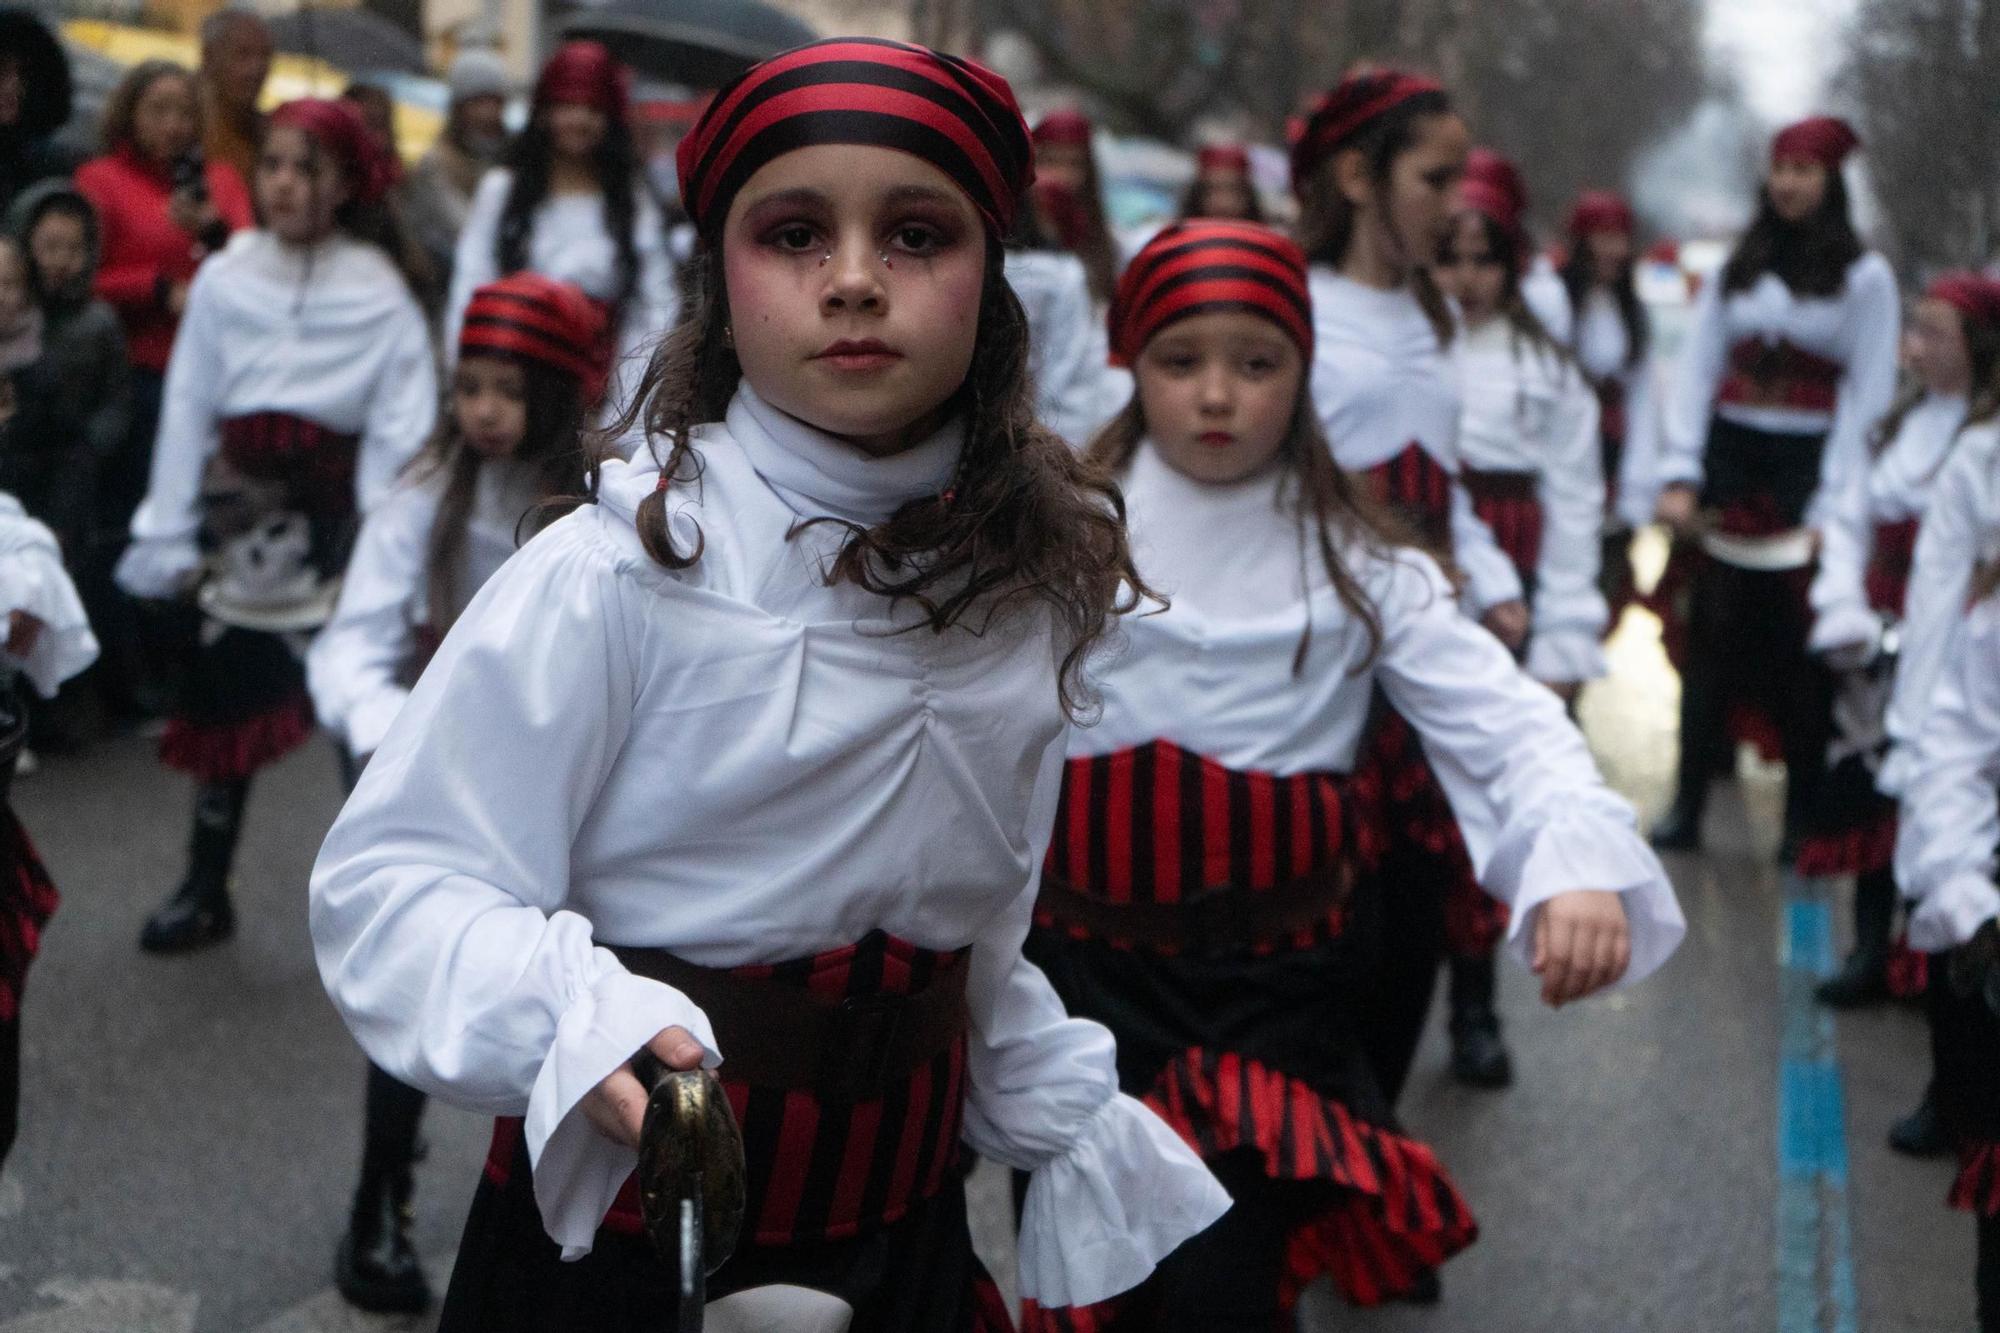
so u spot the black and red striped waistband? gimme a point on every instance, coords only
(1779, 375)
(1417, 488)
(278, 446)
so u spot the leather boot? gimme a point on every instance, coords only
(1921, 1133)
(1864, 977)
(1679, 829)
(1479, 1057)
(199, 913)
(375, 1266)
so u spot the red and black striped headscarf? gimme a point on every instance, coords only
(1203, 265)
(1356, 103)
(951, 112)
(538, 319)
(1973, 295)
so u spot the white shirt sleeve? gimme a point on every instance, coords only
(1950, 820)
(1697, 379)
(1073, 363)
(1113, 1189)
(32, 580)
(164, 552)
(355, 665)
(1874, 311)
(437, 904)
(1570, 613)
(402, 410)
(1639, 462)
(476, 262)
(1537, 819)
(1490, 577)
(1839, 595)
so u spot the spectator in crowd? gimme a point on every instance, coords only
(235, 60)
(438, 193)
(34, 101)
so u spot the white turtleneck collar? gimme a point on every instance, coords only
(820, 475)
(1227, 551)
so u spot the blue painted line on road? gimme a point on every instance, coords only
(1815, 1260)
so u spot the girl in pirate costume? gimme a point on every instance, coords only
(1611, 340)
(754, 760)
(1867, 544)
(1376, 168)
(527, 371)
(1528, 440)
(568, 202)
(301, 383)
(1222, 186)
(1069, 198)
(1066, 349)
(1197, 894)
(1790, 363)
(1498, 177)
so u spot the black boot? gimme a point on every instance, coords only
(376, 1267)
(1479, 1058)
(1921, 1133)
(1679, 829)
(200, 913)
(1864, 977)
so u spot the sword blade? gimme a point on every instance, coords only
(693, 1265)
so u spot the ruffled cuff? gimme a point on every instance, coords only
(367, 723)
(1563, 656)
(1582, 848)
(578, 1171)
(1845, 624)
(157, 568)
(1896, 771)
(1490, 579)
(32, 580)
(1953, 912)
(1099, 1217)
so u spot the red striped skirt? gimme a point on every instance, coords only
(28, 899)
(1510, 504)
(1415, 488)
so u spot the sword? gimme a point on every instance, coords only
(691, 1188)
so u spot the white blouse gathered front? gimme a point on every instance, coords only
(1603, 347)
(1857, 328)
(1381, 382)
(330, 333)
(1896, 485)
(740, 763)
(1214, 675)
(34, 582)
(1528, 409)
(357, 665)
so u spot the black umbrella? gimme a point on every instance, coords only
(695, 43)
(45, 96)
(350, 39)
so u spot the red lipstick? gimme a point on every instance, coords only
(858, 354)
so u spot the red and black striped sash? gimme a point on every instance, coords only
(821, 1168)
(1241, 858)
(1417, 489)
(1762, 374)
(316, 462)
(1510, 503)
(1888, 576)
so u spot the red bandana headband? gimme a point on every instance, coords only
(337, 127)
(1974, 295)
(1492, 187)
(587, 74)
(539, 319)
(951, 112)
(1223, 157)
(1601, 210)
(1201, 265)
(1064, 127)
(1358, 102)
(1826, 140)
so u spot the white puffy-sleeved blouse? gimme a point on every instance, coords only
(1897, 485)
(1067, 347)
(1857, 329)
(569, 240)
(358, 664)
(1950, 825)
(738, 763)
(1603, 348)
(1381, 382)
(1528, 409)
(330, 334)
(33, 580)
(1213, 675)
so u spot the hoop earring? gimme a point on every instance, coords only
(728, 336)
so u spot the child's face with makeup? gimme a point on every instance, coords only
(1218, 391)
(855, 275)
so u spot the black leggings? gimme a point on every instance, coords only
(394, 1111)
(1987, 1275)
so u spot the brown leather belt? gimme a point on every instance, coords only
(1220, 921)
(774, 1035)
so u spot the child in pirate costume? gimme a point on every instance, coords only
(301, 383)
(1528, 440)
(1197, 894)
(754, 760)
(1498, 177)
(530, 364)
(1611, 338)
(1790, 363)
(1376, 169)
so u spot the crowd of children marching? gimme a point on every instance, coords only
(986, 686)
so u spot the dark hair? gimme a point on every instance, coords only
(616, 166)
(1194, 203)
(1024, 518)
(1325, 228)
(552, 445)
(65, 202)
(378, 224)
(1322, 497)
(1810, 256)
(124, 99)
(1509, 247)
(1579, 275)
(1095, 247)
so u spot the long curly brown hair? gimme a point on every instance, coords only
(1024, 519)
